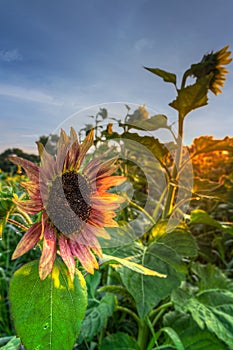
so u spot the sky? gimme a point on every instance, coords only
(60, 57)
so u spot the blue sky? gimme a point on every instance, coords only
(58, 57)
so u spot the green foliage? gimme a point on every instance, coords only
(168, 77)
(96, 318)
(191, 97)
(13, 344)
(191, 335)
(211, 309)
(160, 287)
(160, 256)
(41, 319)
(121, 341)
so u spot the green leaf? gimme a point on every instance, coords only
(96, 318)
(180, 239)
(159, 150)
(131, 265)
(47, 314)
(119, 341)
(13, 344)
(199, 216)
(191, 97)
(168, 77)
(192, 337)
(157, 257)
(211, 277)
(93, 282)
(211, 309)
(154, 123)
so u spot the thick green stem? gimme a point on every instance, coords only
(172, 187)
(143, 335)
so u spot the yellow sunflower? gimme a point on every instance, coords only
(213, 63)
(75, 205)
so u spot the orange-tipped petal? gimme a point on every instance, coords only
(66, 254)
(110, 181)
(28, 241)
(72, 156)
(48, 252)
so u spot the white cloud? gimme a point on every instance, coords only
(28, 94)
(143, 43)
(10, 55)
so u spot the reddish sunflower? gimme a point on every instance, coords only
(75, 204)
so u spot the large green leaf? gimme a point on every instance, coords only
(96, 318)
(191, 97)
(119, 341)
(168, 77)
(211, 309)
(161, 258)
(192, 336)
(47, 314)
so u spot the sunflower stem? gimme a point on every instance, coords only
(174, 178)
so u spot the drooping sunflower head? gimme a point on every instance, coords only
(74, 201)
(213, 63)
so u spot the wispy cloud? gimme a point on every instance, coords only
(142, 44)
(28, 94)
(10, 55)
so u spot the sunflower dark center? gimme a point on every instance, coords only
(68, 203)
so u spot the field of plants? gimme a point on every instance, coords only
(119, 240)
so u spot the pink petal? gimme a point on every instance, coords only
(62, 149)
(84, 147)
(47, 170)
(66, 254)
(29, 240)
(48, 252)
(88, 238)
(29, 206)
(86, 258)
(32, 170)
(97, 169)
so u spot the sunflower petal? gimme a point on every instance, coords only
(28, 241)
(84, 147)
(85, 256)
(48, 252)
(109, 181)
(62, 149)
(32, 169)
(66, 254)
